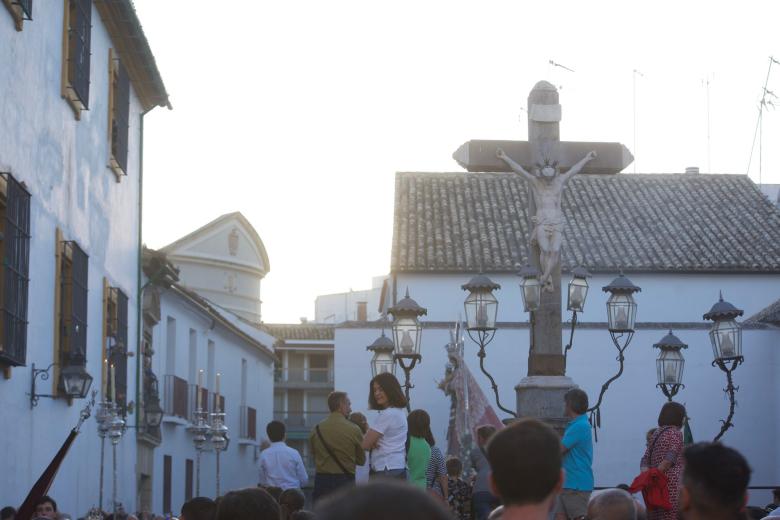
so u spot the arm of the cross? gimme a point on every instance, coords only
(480, 156)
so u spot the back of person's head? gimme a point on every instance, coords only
(290, 501)
(776, 495)
(335, 399)
(275, 431)
(274, 491)
(485, 432)
(303, 515)
(715, 480)
(247, 504)
(755, 513)
(525, 459)
(672, 414)
(198, 508)
(392, 389)
(454, 466)
(420, 425)
(381, 500)
(7, 513)
(612, 504)
(359, 419)
(577, 400)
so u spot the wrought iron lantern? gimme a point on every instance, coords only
(407, 330)
(153, 413)
(530, 288)
(670, 365)
(726, 333)
(726, 340)
(621, 307)
(481, 305)
(75, 381)
(578, 289)
(382, 360)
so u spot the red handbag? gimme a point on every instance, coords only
(655, 489)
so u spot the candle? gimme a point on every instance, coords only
(481, 315)
(727, 346)
(670, 373)
(105, 377)
(197, 389)
(407, 345)
(621, 321)
(216, 399)
(113, 384)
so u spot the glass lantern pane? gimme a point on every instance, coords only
(621, 312)
(670, 367)
(381, 363)
(481, 308)
(726, 338)
(406, 336)
(578, 291)
(532, 294)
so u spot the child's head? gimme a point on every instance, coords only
(454, 466)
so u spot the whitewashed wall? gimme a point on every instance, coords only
(632, 404)
(63, 162)
(238, 463)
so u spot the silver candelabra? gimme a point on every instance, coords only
(219, 440)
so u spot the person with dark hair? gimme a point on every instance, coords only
(525, 459)
(483, 500)
(198, 508)
(280, 465)
(418, 452)
(291, 501)
(436, 473)
(7, 513)
(386, 436)
(612, 504)
(247, 504)
(46, 507)
(714, 483)
(459, 497)
(337, 445)
(385, 500)
(664, 452)
(303, 515)
(577, 450)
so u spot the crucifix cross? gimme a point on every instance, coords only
(546, 164)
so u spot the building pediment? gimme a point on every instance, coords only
(230, 240)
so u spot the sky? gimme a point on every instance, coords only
(299, 113)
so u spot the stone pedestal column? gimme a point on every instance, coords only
(541, 397)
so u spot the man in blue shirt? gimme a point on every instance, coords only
(577, 449)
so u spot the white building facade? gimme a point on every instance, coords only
(77, 78)
(681, 251)
(191, 343)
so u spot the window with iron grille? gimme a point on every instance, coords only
(116, 334)
(73, 304)
(77, 54)
(21, 11)
(14, 280)
(119, 115)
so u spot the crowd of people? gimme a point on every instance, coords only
(524, 471)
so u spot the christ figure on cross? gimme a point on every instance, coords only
(547, 184)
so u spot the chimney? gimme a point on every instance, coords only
(691, 170)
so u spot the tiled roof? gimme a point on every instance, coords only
(302, 331)
(769, 314)
(638, 222)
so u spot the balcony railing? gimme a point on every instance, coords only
(176, 398)
(248, 423)
(300, 420)
(304, 375)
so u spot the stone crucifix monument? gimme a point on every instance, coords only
(546, 164)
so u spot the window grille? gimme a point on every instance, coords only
(79, 49)
(26, 8)
(73, 305)
(117, 348)
(120, 118)
(15, 247)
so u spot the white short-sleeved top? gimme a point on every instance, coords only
(390, 450)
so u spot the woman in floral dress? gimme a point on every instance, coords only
(664, 451)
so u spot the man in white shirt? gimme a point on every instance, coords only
(280, 465)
